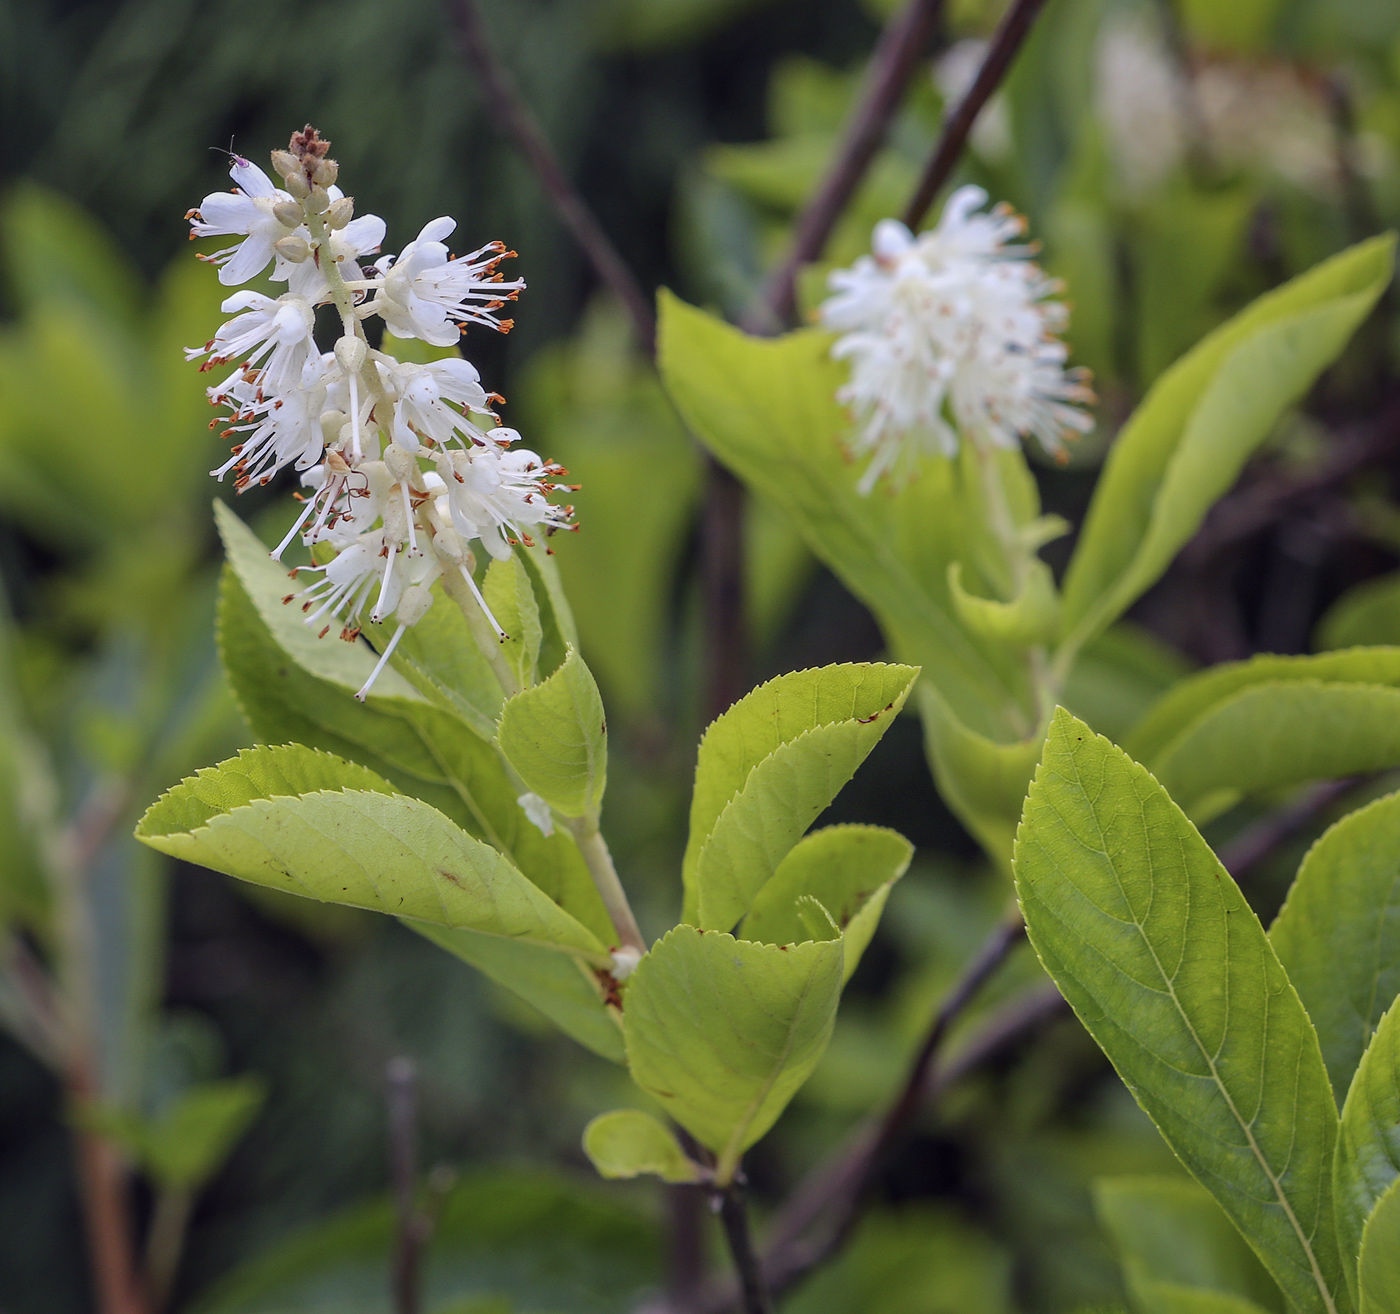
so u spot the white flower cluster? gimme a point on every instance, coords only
(405, 466)
(951, 333)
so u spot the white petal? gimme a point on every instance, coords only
(438, 229)
(252, 257)
(252, 180)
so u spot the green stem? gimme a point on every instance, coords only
(594, 849)
(166, 1241)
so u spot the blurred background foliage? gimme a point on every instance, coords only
(1173, 158)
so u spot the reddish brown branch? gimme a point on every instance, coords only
(1006, 41)
(515, 118)
(893, 64)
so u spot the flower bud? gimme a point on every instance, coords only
(351, 353)
(414, 603)
(293, 247)
(318, 201)
(331, 422)
(285, 163)
(401, 463)
(448, 544)
(336, 463)
(298, 186)
(288, 214)
(341, 212)
(325, 173)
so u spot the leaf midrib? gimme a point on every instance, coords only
(751, 1110)
(1244, 1126)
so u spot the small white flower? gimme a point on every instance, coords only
(425, 291)
(283, 428)
(426, 399)
(272, 336)
(492, 493)
(245, 212)
(951, 333)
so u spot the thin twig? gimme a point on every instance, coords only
(515, 118)
(1257, 842)
(893, 64)
(865, 1155)
(792, 1254)
(734, 1215)
(410, 1231)
(1006, 41)
(1257, 504)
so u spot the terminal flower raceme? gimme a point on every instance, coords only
(404, 466)
(950, 335)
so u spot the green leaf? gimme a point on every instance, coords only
(766, 770)
(1366, 614)
(329, 659)
(1281, 734)
(348, 844)
(1186, 443)
(1170, 1234)
(539, 1242)
(420, 748)
(1187, 702)
(556, 736)
(1167, 1298)
(564, 989)
(1380, 1256)
(511, 597)
(767, 408)
(723, 1032)
(848, 870)
(984, 782)
(188, 1145)
(629, 1143)
(1368, 1150)
(1167, 966)
(1338, 933)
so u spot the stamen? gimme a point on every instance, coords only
(380, 664)
(481, 602)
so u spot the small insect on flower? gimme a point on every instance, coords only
(950, 336)
(400, 477)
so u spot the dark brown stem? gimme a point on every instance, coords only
(410, 1232)
(1258, 503)
(722, 586)
(1265, 837)
(515, 118)
(734, 1215)
(685, 1256)
(1006, 41)
(893, 64)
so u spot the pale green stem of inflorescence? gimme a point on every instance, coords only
(584, 831)
(1017, 556)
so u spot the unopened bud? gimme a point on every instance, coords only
(325, 173)
(331, 422)
(318, 201)
(341, 212)
(285, 163)
(336, 463)
(413, 605)
(401, 463)
(448, 544)
(288, 214)
(351, 353)
(293, 247)
(395, 519)
(298, 186)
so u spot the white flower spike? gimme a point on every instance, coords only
(401, 478)
(950, 336)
